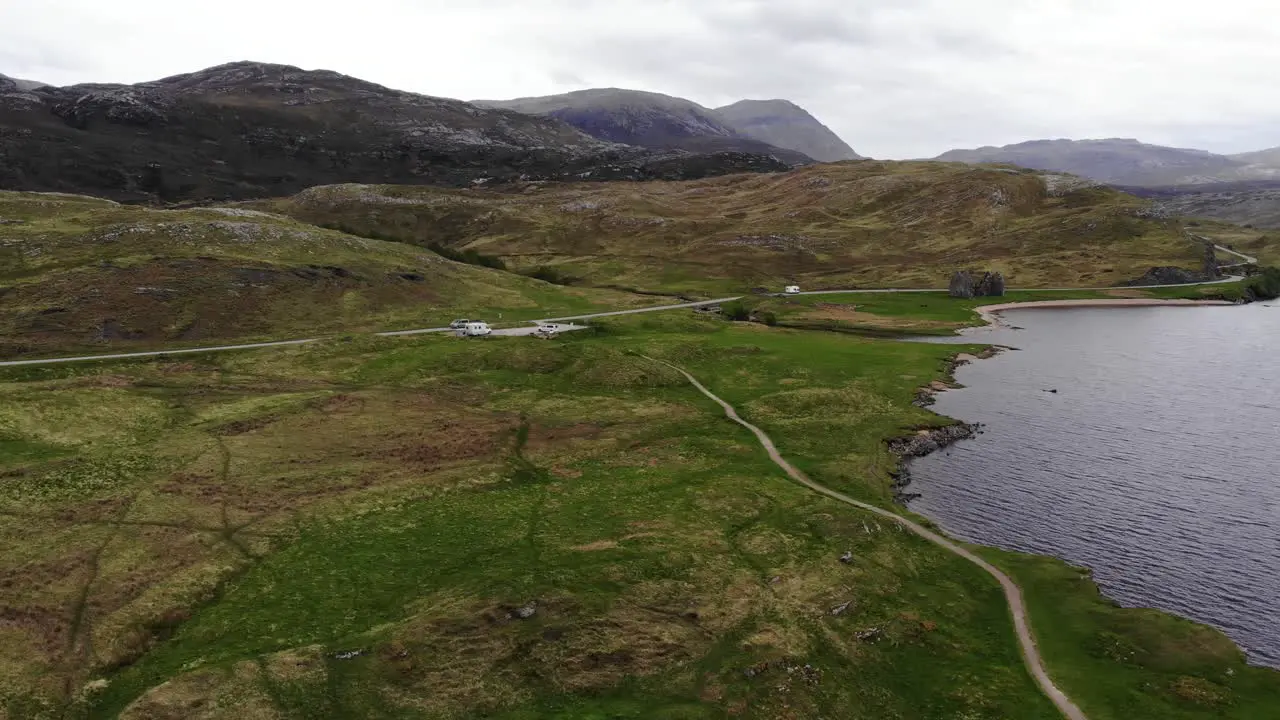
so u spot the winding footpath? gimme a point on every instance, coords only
(1012, 593)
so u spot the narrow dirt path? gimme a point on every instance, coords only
(1012, 593)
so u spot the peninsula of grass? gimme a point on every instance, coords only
(898, 314)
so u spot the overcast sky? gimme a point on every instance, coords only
(894, 78)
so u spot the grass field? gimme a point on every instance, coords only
(354, 529)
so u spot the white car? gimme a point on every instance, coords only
(475, 329)
(458, 324)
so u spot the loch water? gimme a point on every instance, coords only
(1156, 463)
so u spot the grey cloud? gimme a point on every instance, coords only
(797, 22)
(895, 78)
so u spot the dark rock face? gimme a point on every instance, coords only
(248, 130)
(963, 285)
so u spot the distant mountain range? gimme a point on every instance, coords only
(1243, 188)
(1129, 162)
(652, 120)
(250, 129)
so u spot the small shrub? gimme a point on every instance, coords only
(735, 310)
(1266, 286)
(549, 274)
(1231, 294)
(470, 257)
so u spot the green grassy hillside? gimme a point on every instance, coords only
(77, 272)
(855, 223)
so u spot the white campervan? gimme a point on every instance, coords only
(475, 329)
(791, 290)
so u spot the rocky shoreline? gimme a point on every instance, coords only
(928, 440)
(925, 441)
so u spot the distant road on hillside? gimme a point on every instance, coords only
(528, 330)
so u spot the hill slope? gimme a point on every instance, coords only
(11, 83)
(84, 272)
(867, 223)
(1248, 203)
(253, 129)
(647, 119)
(785, 124)
(1266, 158)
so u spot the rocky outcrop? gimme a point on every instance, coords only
(1209, 265)
(930, 440)
(990, 285)
(963, 285)
(246, 130)
(923, 442)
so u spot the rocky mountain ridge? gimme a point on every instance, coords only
(250, 129)
(787, 125)
(658, 121)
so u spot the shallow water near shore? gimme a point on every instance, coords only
(1156, 463)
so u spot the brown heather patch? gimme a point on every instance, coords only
(1198, 691)
(849, 314)
(212, 694)
(596, 546)
(297, 665)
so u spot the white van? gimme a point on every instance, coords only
(791, 290)
(475, 329)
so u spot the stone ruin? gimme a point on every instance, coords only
(963, 285)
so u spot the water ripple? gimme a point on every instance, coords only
(1154, 463)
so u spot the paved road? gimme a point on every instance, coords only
(1248, 259)
(568, 326)
(1012, 593)
(156, 353)
(700, 303)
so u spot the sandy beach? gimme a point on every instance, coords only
(990, 313)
